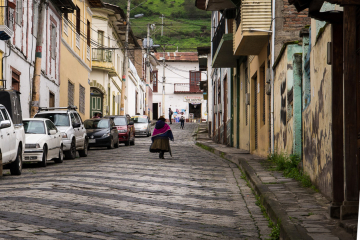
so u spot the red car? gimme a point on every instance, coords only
(125, 128)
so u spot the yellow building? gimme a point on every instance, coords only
(75, 56)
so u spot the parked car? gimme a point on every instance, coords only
(12, 141)
(43, 142)
(102, 132)
(125, 128)
(142, 125)
(69, 123)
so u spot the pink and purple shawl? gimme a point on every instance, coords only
(162, 130)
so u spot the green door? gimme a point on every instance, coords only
(96, 102)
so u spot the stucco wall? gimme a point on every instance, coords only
(263, 137)
(283, 113)
(317, 120)
(72, 70)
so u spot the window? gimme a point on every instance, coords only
(50, 126)
(5, 114)
(70, 94)
(195, 78)
(88, 33)
(155, 83)
(19, 12)
(53, 41)
(59, 119)
(77, 20)
(82, 99)
(15, 80)
(35, 18)
(101, 38)
(51, 99)
(66, 20)
(78, 116)
(1, 117)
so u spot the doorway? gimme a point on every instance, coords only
(155, 111)
(195, 110)
(96, 101)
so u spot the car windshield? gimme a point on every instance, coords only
(59, 119)
(139, 119)
(119, 121)
(34, 127)
(96, 124)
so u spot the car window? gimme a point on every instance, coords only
(59, 119)
(5, 114)
(74, 119)
(1, 117)
(50, 126)
(139, 119)
(119, 121)
(34, 127)
(78, 116)
(97, 123)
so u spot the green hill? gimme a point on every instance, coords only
(185, 26)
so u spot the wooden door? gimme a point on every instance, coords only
(195, 77)
(51, 99)
(96, 102)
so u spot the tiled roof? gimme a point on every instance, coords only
(177, 56)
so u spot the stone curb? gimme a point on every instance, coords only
(288, 231)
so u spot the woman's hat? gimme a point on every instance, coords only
(162, 117)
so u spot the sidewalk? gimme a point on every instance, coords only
(303, 213)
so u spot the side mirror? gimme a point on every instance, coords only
(52, 132)
(5, 124)
(131, 123)
(76, 125)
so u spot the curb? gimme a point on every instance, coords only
(288, 231)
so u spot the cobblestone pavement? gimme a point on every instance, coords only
(129, 193)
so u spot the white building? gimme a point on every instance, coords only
(135, 89)
(107, 63)
(18, 52)
(182, 92)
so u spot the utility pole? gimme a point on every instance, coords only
(163, 84)
(35, 94)
(147, 113)
(162, 24)
(126, 60)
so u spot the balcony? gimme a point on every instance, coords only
(6, 22)
(222, 47)
(253, 27)
(103, 59)
(186, 88)
(216, 5)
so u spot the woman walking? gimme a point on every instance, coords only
(160, 138)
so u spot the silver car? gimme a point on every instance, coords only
(142, 125)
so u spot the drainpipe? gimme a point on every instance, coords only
(3, 58)
(272, 74)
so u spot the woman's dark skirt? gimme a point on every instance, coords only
(160, 144)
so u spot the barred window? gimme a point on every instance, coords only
(70, 93)
(82, 99)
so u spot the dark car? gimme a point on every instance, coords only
(102, 132)
(125, 128)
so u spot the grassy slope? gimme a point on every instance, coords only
(185, 26)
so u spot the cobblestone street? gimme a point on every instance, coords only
(129, 193)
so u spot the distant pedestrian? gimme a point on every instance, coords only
(160, 138)
(96, 115)
(182, 122)
(170, 115)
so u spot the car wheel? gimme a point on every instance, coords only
(72, 153)
(127, 143)
(117, 143)
(111, 146)
(43, 162)
(60, 159)
(16, 167)
(84, 152)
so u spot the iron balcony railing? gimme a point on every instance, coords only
(186, 88)
(6, 22)
(220, 31)
(102, 55)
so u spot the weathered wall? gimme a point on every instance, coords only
(317, 121)
(244, 125)
(283, 100)
(258, 66)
